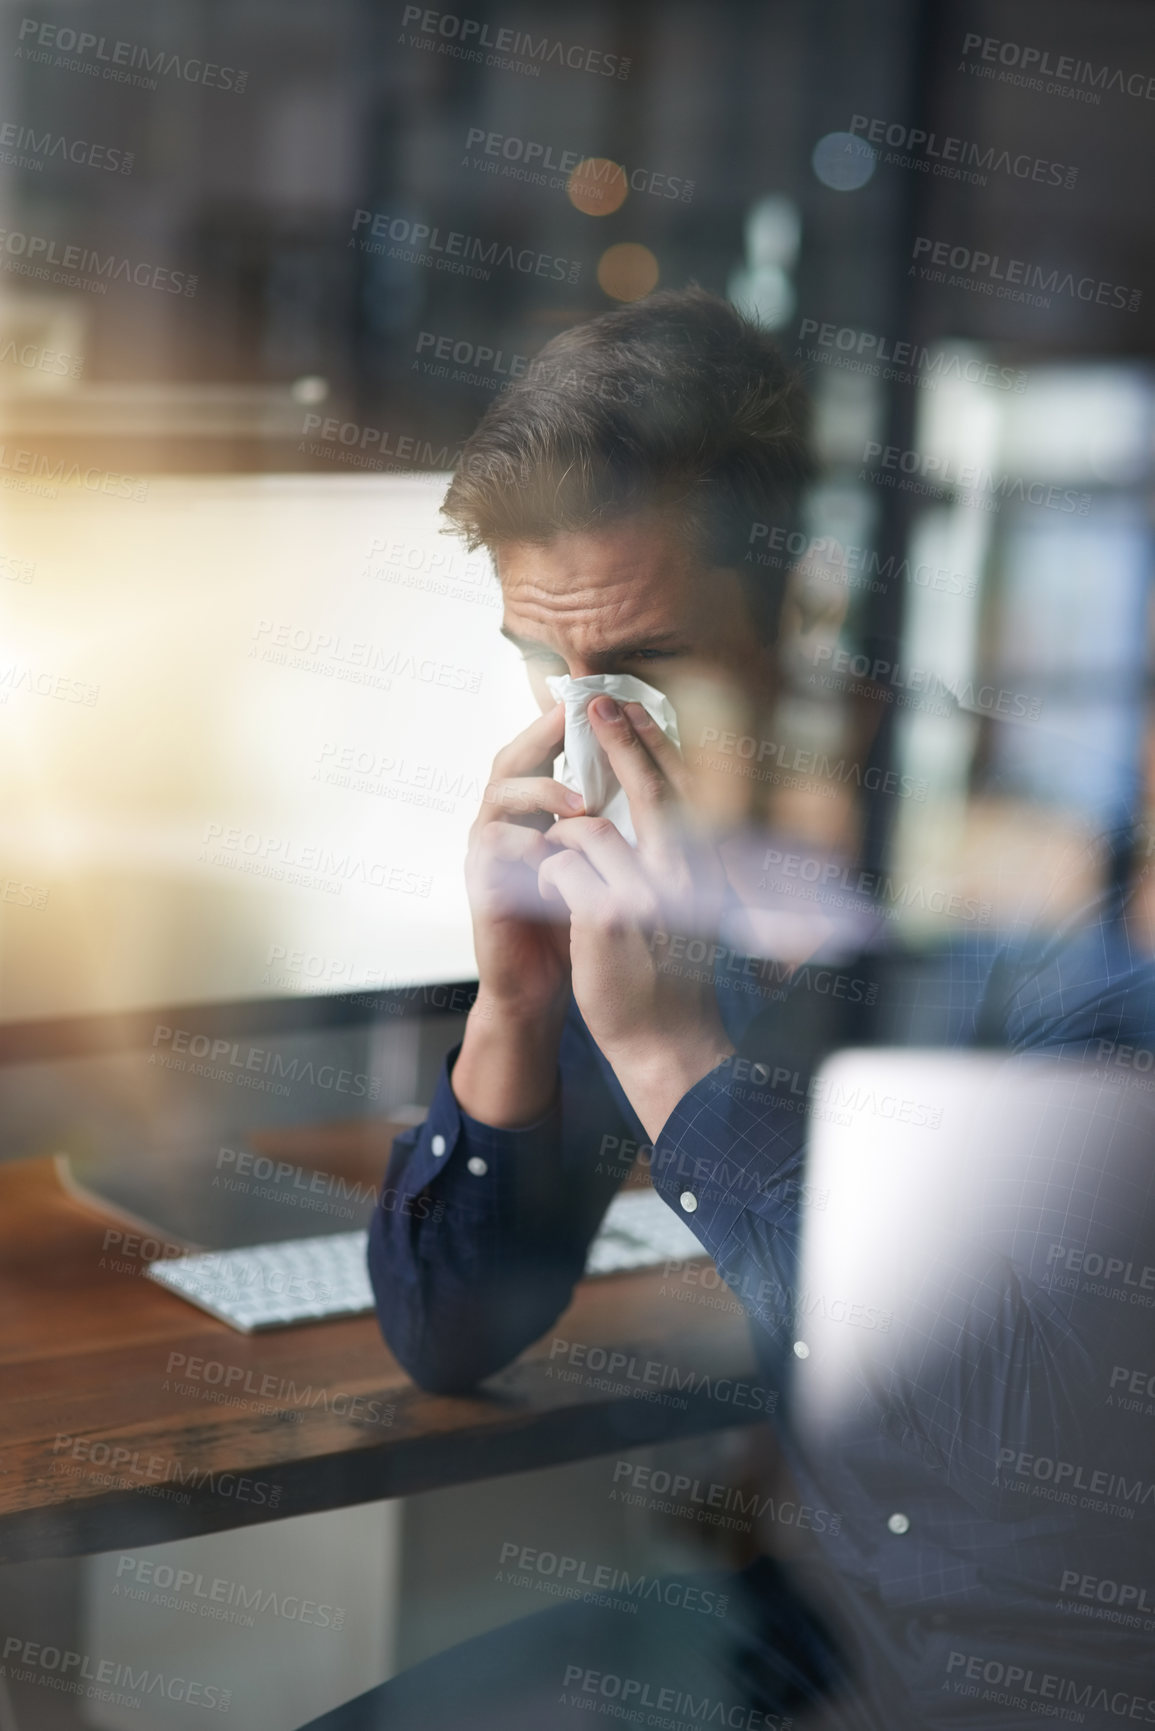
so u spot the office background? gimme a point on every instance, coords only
(242, 317)
(237, 359)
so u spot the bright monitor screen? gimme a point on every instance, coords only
(246, 723)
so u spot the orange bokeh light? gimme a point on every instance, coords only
(597, 186)
(627, 271)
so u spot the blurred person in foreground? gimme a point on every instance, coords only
(643, 452)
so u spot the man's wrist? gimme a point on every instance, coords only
(657, 1075)
(517, 1017)
(506, 1072)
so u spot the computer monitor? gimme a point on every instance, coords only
(247, 722)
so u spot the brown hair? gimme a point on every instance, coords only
(676, 402)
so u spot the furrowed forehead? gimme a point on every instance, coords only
(626, 610)
(601, 643)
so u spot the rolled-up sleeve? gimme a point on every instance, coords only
(481, 1234)
(730, 1162)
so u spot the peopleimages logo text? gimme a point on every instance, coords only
(665, 1706)
(15, 139)
(481, 364)
(97, 1679)
(465, 37)
(113, 56)
(1038, 63)
(451, 250)
(918, 147)
(521, 1563)
(528, 160)
(1020, 276)
(1061, 1479)
(85, 261)
(1023, 1687)
(867, 352)
(972, 479)
(218, 1598)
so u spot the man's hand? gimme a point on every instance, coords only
(522, 958)
(657, 1024)
(506, 1073)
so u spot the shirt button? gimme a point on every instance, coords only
(801, 1350)
(688, 1201)
(899, 1523)
(477, 1165)
(438, 1145)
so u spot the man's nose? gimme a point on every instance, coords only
(580, 667)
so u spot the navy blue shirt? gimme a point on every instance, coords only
(989, 1570)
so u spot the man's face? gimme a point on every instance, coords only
(633, 598)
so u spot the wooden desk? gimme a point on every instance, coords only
(92, 1353)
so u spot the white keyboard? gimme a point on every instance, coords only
(273, 1285)
(309, 1279)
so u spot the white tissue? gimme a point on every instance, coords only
(584, 766)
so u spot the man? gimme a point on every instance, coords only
(667, 429)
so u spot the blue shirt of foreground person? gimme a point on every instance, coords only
(618, 547)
